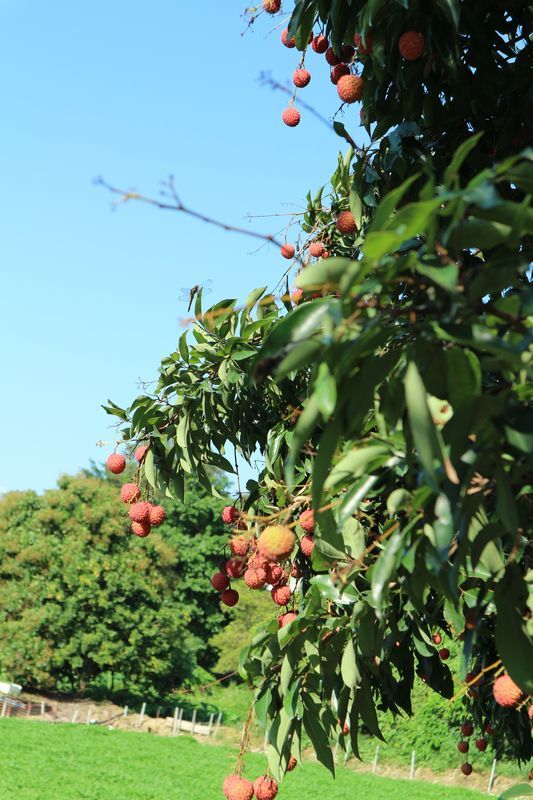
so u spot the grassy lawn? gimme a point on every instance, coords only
(41, 761)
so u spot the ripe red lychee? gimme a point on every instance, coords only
(274, 573)
(350, 88)
(276, 542)
(286, 41)
(286, 619)
(338, 71)
(291, 764)
(301, 78)
(116, 463)
(489, 729)
(364, 48)
(467, 729)
(287, 251)
(296, 296)
(219, 581)
(281, 595)
(129, 493)
(481, 745)
(466, 768)
(236, 788)
(229, 597)
(346, 221)
(444, 654)
(411, 45)
(437, 638)
(319, 44)
(157, 515)
(228, 783)
(235, 567)
(316, 249)
(345, 729)
(291, 117)
(306, 520)
(141, 529)
(229, 515)
(463, 747)
(239, 545)
(141, 452)
(307, 544)
(272, 6)
(331, 57)
(265, 788)
(347, 53)
(506, 692)
(140, 512)
(255, 578)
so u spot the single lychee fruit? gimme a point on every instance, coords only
(489, 729)
(239, 545)
(140, 512)
(346, 221)
(338, 71)
(292, 761)
(129, 493)
(157, 515)
(235, 567)
(229, 515)
(116, 463)
(364, 48)
(255, 578)
(228, 782)
(444, 654)
(301, 78)
(350, 88)
(265, 788)
(230, 597)
(437, 638)
(274, 573)
(463, 747)
(411, 45)
(219, 581)
(347, 53)
(306, 520)
(319, 44)
(506, 692)
(272, 6)
(331, 57)
(291, 117)
(286, 41)
(141, 529)
(276, 542)
(287, 251)
(286, 619)
(281, 595)
(238, 789)
(316, 249)
(141, 452)
(467, 729)
(257, 561)
(466, 768)
(307, 544)
(296, 296)
(481, 745)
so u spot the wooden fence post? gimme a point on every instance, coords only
(217, 726)
(211, 718)
(180, 718)
(141, 718)
(75, 715)
(4, 709)
(491, 779)
(125, 711)
(375, 762)
(193, 721)
(412, 773)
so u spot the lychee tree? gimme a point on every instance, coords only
(388, 395)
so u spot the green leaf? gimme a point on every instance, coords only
(297, 326)
(326, 272)
(148, 466)
(514, 645)
(422, 427)
(317, 734)
(445, 276)
(349, 671)
(325, 390)
(459, 156)
(521, 790)
(390, 203)
(385, 568)
(356, 463)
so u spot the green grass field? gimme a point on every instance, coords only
(41, 761)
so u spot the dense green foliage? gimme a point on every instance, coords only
(394, 399)
(83, 599)
(71, 762)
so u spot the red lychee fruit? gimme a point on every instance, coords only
(238, 788)
(286, 619)
(350, 88)
(229, 515)
(276, 542)
(281, 595)
(467, 729)
(228, 782)
(316, 249)
(489, 729)
(271, 6)
(306, 520)
(292, 762)
(506, 692)
(411, 45)
(347, 53)
(141, 452)
(141, 529)
(255, 578)
(463, 747)
(444, 654)
(239, 545)
(229, 597)
(296, 296)
(116, 463)
(437, 638)
(331, 57)
(140, 512)
(287, 251)
(364, 48)
(346, 221)
(274, 573)
(319, 44)
(235, 567)
(265, 788)
(481, 745)
(301, 78)
(345, 729)
(157, 515)
(291, 117)
(129, 493)
(286, 41)
(219, 581)
(466, 768)
(307, 544)
(338, 71)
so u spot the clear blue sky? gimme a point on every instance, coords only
(132, 91)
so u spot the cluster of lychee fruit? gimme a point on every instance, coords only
(263, 561)
(345, 224)
(143, 515)
(481, 743)
(264, 788)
